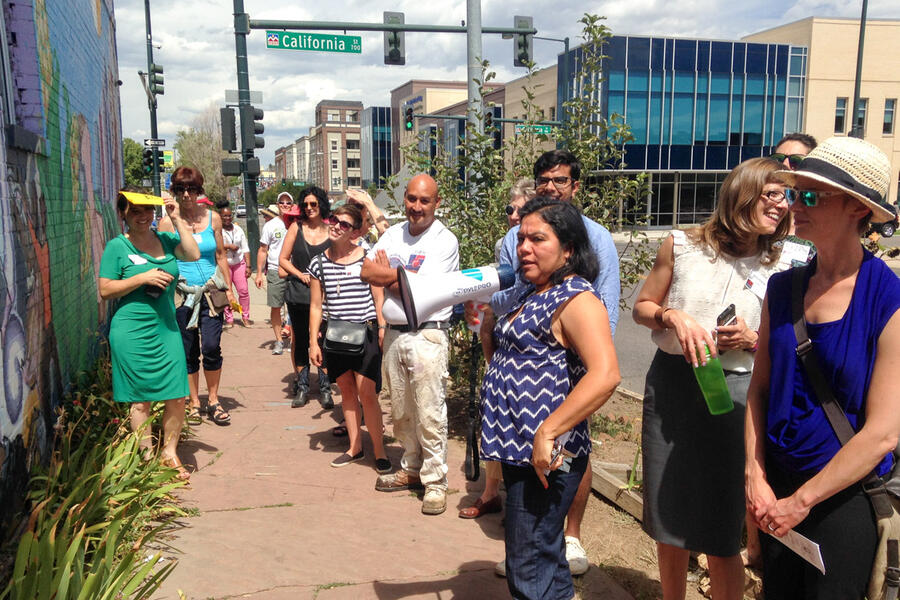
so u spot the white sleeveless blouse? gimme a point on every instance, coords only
(703, 284)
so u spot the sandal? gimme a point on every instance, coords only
(339, 431)
(193, 416)
(217, 414)
(174, 463)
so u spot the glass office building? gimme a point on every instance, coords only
(696, 108)
(375, 142)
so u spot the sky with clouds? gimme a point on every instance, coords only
(197, 49)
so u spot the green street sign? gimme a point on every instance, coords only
(299, 183)
(316, 42)
(535, 129)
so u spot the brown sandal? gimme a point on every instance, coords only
(217, 414)
(174, 463)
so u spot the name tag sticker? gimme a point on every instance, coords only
(792, 251)
(756, 283)
(137, 260)
(353, 270)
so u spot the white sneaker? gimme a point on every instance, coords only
(278, 348)
(576, 556)
(500, 568)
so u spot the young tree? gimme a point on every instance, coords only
(200, 146)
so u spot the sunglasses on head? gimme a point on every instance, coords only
(180, 189)
(344, 225)
(809, 198)
(794, 160)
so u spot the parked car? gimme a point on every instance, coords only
(884, 229)
(241, 210)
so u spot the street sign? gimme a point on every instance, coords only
(299, 183)
(168, 159)
(535, 129)
(231, 97)
(149, 142)
(316, 42)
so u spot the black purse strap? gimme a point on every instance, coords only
(872, 484)
(322, 280)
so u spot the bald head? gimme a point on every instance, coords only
(421, 200)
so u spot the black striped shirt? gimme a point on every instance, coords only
(347, 297)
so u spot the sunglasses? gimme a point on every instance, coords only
(285, 203)
(809, 198)
(511, 210)
(344, 225)
(310, 204)
(794, 160)
(180, 189)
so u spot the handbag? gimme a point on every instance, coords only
(342, 337)
(884, 582)
(218, 299)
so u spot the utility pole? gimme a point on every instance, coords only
(151, 100)
(473, 59)
(241, 30)
(855, 129)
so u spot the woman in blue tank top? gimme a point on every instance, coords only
(205, 338)
(798, 475)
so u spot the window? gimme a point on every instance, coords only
(352, 116)
(352, 144)
(552, 113)
(354, 182)
(335, 183)
(840, 113)
(890, 107)
(334, 115)
(860, 123)
(352, 163)
(334, 164)
(334, 145)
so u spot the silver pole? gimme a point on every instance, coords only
(473, 56)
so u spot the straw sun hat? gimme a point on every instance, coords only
(850, 165)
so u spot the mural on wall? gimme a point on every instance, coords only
(56, 213)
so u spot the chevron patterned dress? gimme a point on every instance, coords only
(529, 376)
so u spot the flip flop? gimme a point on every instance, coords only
(218, 415)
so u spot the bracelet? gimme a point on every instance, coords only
(658, 317)
(756, 343)
(382, 327)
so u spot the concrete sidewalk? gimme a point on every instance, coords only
(270, 519)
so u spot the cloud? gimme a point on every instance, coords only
(198, 53)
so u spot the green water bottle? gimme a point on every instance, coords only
(711, 379)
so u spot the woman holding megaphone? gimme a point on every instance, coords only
(335, 280)
(551, 364)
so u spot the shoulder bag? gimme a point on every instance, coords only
(342, 337)
(884, 582)
(295, 291)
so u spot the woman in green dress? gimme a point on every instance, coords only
(148, 364)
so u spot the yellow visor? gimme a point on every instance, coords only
(144, 199)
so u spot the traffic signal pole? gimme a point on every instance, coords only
(151, 100)
(241, 30)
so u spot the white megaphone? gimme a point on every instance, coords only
(422, 295)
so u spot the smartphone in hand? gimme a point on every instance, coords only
(726, 317)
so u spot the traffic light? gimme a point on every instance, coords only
(408, 124)
(250, 126)
(523, 43)
(156, 80)
(394, 41)
(226, 116)
(147, 161)
(489, 118)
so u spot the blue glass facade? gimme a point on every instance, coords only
(375, 144)
(695, 108)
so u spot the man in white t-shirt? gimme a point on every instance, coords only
(270, 241)
(414, 365)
